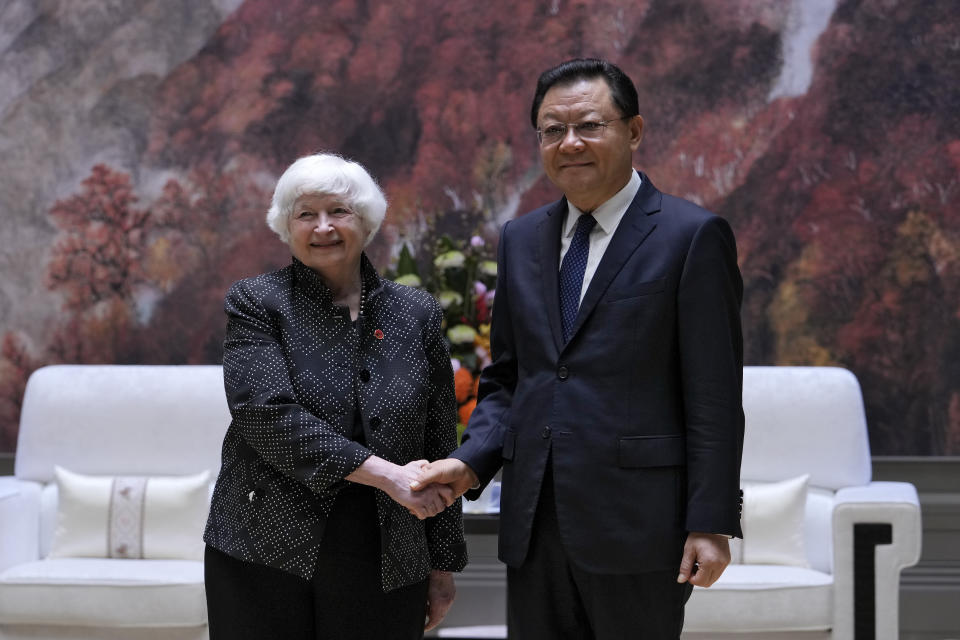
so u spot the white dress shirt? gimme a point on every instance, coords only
(608, 215)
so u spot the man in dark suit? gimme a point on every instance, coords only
(613, 403)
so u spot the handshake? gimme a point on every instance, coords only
(434, 486)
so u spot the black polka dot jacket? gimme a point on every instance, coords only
(295, 368)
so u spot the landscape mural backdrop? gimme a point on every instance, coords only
(140, 141)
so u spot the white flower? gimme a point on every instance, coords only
(410, 279)
(449, 260)
(449, 298)
(462, 334)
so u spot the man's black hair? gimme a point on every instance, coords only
(622, 91)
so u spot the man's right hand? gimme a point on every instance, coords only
(454, 473)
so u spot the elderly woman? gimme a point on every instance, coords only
(340, 387)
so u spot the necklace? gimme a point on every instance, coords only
(363, 297)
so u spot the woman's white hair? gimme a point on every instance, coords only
(328, 174)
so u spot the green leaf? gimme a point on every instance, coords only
(406, 265)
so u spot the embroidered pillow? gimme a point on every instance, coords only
(130, 516)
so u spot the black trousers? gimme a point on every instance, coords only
(550, 598)
(344, 601)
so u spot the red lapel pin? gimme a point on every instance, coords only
(378, 334)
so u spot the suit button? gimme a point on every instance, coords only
(364, 375)
(374, 422)
(563, 373)
(545, 433)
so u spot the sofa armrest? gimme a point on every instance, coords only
(876, 533)
(19, 521)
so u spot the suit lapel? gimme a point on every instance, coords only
(548, 257)
(634, 228)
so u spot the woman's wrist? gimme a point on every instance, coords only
(375, 472)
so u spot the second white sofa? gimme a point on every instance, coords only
(105, 421)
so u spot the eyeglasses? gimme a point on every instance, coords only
(590, 130)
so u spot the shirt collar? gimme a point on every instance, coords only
(609, 213)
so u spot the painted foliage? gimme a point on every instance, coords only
(141, 141)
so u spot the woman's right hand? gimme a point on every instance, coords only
(395, 480)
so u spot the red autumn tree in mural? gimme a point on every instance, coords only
(99, 255)
(826, 189)
(97, 263)
(127, 273)
(16, 366)
(209, 231)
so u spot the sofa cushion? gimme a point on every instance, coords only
(763, 598)
(817, 532)
(130, 517)
(104, 592)
(772, 521)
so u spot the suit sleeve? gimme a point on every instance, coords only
(711, 361)
(482, 443)
(264, 406)
(448, 550)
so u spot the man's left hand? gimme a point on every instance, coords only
(440, 594)
(710, 552)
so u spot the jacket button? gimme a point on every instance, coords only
(545, 433)
(364, 375)
(563, 373)
(374, 422)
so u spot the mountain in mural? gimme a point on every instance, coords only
(826, 132)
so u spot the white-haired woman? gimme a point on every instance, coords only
(340, 387)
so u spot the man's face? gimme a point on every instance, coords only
(588, 171)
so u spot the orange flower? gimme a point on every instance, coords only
(466, 409)
(463, 384)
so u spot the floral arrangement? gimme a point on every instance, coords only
(462, 278)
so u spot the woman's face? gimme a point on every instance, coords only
(325, 234)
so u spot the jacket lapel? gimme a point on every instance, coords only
(548, 258)
(634, 228)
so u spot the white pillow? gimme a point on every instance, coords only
(772, 522)
(130, 516)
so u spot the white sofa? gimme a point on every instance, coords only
(170, 420)
(807, 421)
(810, 420)
(104, 420)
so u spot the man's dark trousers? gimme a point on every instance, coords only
(549, 598)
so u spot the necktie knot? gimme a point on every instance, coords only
(585, 225)
(571, 273)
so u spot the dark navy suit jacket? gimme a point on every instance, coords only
(640, 411)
